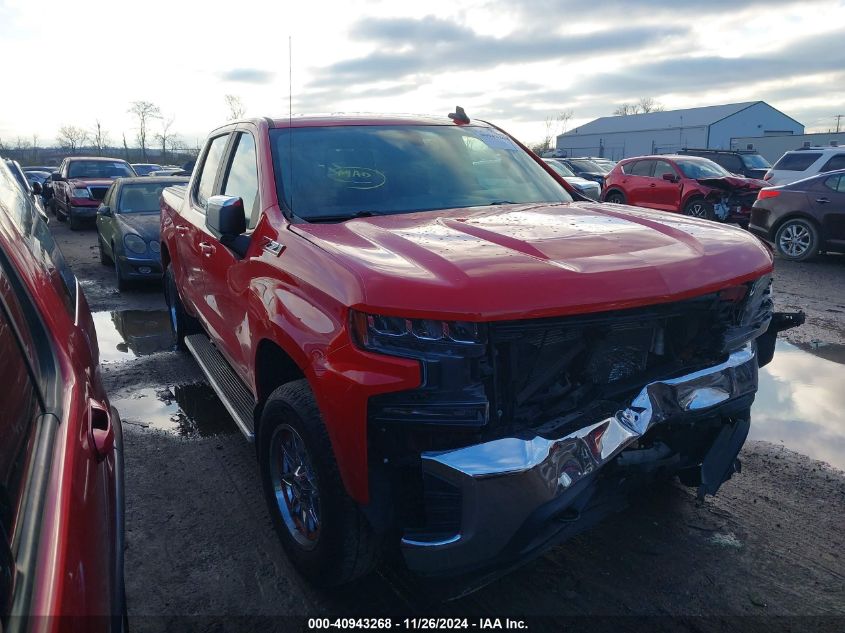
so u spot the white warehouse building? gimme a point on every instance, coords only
(711, 127)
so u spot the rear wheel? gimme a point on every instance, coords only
(797, 239)
(615, 197)
(181, 322)
(60, 214)
(698, 208)
(74, 222)
(321, 528)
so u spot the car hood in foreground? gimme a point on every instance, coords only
(531, 260)
(147, 225)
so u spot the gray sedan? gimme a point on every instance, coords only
(128, 227)
(588, 188)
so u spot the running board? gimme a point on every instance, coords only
(229, 388)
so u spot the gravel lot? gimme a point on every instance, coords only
(200, 542)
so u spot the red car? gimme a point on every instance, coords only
(693, 186)
(81, 183)
(61, 468)
(439, 352)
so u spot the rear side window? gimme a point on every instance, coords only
(731, 162)
(642, 168)
(242, 178)
(837, 162)
(208, 170)
(628, 168)
(796, 161)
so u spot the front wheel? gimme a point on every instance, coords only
(105, 260)
(181, 323)
(699, 209)
(797, 240)
(122, 283)
(320, 527)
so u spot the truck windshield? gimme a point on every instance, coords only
(339, 172)
(98, 169)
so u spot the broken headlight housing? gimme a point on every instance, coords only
(399, 336)
(452, 356)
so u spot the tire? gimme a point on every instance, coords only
(699, 208)
(122, 282)
(105, 260)
(335, 545)
(60, 215)
(615, 197)
(181, 323)
(74, 223)
(797, 240)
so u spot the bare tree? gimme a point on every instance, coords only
(125, 148)
(165, 137)
(71, 137)
(99, 137)
(564, 118)
(34, 149)
(145, 111)
(643, 106)
(235, 106)
(648, 104)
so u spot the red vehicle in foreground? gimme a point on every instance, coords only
(61, 468)
(440, 352)
(694, 186)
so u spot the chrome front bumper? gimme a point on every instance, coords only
(505, 482)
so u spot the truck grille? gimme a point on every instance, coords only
(98, 193)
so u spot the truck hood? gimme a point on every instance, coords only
(526, 261)
(89, 182)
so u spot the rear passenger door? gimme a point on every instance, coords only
(829, 202)
(639, 187)
(666, 194)
(225, 289)
(189, 225)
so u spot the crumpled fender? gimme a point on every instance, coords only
(733, 183)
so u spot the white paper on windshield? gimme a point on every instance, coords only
(495, 139)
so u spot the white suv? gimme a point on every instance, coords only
(803, 163)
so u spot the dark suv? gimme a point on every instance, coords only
(741, 162)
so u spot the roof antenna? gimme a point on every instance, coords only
(290, 119)
(459, 116)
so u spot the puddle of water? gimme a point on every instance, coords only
(127, 334)
(801, 401)
(191, 410)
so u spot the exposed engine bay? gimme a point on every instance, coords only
(731, 196)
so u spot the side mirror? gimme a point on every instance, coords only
(104, 210)
(225, 216)
(36, 188)
(56, 176)
(670, 177)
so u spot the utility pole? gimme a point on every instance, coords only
(838, 118)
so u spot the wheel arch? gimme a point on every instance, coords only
(613, 189)
(793, 215)
(274, 367)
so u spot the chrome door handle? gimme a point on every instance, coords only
(207, 249)
(181, 230)
(822, 200)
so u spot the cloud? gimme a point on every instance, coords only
(408, 47)
(247, 75)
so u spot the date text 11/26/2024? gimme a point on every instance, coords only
(414, 624)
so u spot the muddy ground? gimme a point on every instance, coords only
(200, 541)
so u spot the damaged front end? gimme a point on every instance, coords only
(539, 428)
(732, 198)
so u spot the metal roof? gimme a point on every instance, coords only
(689, 117)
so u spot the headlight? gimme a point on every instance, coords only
(155, 247)
(81, 193)
(410, 337)
(135, 244)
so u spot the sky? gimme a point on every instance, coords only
(512, 63)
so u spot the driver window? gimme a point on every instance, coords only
(242, 178)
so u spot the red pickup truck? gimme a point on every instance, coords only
(81, 183)
(442, 349)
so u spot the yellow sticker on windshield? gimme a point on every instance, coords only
(357, 177)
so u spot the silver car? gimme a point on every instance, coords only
(585, 187)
